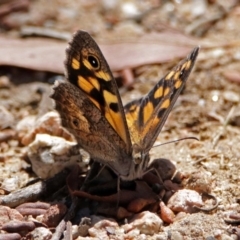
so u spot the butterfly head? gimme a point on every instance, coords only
(139, 163)
(140, 156)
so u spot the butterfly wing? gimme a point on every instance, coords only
(90, 106)
(91, 130)
(147, 115)
(88, 70)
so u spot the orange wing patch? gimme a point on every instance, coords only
(150, 113)
(75, 64)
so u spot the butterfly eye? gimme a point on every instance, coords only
(93, 61)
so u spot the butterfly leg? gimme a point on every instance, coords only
(91, 177)
(118, 191)
(157, 173)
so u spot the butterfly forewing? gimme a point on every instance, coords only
(150, 112)
(88, 70)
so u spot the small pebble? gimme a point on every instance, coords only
(50, 154)
(40, 233)
(231, 96)
(200, 181)
(11, 184)
(4, 82)
(54, 214)
(6, 118)
(166, 213)
(184, 201)
(175, 235)
(146, 222)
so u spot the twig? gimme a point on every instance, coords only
(210, 208)
(44, 32)
(223, 128)
(68, 235)
(205, 157)
(62, 225)
(35, 191)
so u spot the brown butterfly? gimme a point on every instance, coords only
(91, 108)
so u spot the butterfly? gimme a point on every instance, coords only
(91, 108)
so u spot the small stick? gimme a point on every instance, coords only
(223, 128)
(35, 191)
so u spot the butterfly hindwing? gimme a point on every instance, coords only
(84, 120)
(88, 70)
(147, 115)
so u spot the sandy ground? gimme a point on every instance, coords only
(208, 108)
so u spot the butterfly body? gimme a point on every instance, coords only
(91, 109)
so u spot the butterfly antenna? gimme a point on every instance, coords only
(174, 141)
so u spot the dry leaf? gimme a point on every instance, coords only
(48, 54)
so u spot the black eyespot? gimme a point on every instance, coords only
(181, 73)
(75, 122)
(93, 61)
(114, 107)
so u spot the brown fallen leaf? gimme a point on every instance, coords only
(142, 191)
(14, 6)
(48, 55)
(35, 54)
(139, 204)
(125, 196)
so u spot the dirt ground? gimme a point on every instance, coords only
(208, 108)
